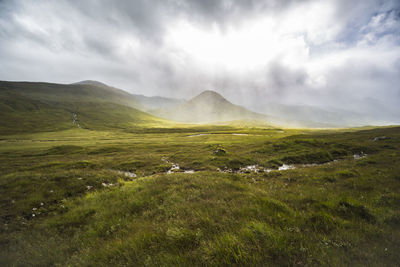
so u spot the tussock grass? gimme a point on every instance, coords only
(342, 213)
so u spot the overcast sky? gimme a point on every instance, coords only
(343, 54)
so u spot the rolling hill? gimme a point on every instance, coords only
(82, 91)
(149, 103)
(36, 107)
(207, 107)
(144, 103)
(313, 116)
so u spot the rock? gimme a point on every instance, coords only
(175, 167)
(108, 185)
(285, 167)
(219, 152)
(250, 168)
(379, 138)
(127, 174)
(360, 156)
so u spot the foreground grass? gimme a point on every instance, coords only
(338, 213)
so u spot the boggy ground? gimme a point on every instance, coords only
(70, 197)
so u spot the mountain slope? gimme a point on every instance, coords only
(207, 107)
(141, 102)
(34, 107)
(69, 92)
(157, 102)
(308, 116)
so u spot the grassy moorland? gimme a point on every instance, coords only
(117, 198)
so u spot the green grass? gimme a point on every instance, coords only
(43, 107)
(334, 213)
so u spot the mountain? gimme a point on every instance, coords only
(35, 107)
(316, 117)
(209, 106)
(82, 91)
(150, 103)
(142, 102)
(92, 82)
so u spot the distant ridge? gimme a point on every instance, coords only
(144, 103)
(92, 82)
(209, 106)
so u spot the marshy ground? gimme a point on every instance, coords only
(201, 196)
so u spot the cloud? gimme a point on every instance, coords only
(342, 54)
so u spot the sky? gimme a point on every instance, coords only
(334, 54)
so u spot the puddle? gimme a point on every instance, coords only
(285, 167)
(175, 167)
(256, 169)
(194, 135)
(127, 174)
(251, 168)
(316, 164)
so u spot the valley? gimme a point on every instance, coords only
(82, 197)
(87, 177)
(200, 133)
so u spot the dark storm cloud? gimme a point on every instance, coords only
(326, 53)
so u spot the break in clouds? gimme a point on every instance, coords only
(335, 55)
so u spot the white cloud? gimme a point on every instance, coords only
(311, 52)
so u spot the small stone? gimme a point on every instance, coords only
(379, 138)
(219, 152)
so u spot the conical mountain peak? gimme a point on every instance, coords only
(209, 95)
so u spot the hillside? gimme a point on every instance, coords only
(149, 103)
(37, 107)
(142, 102)
(313, 116)
(209, 106)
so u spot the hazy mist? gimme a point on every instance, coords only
(342, 57)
